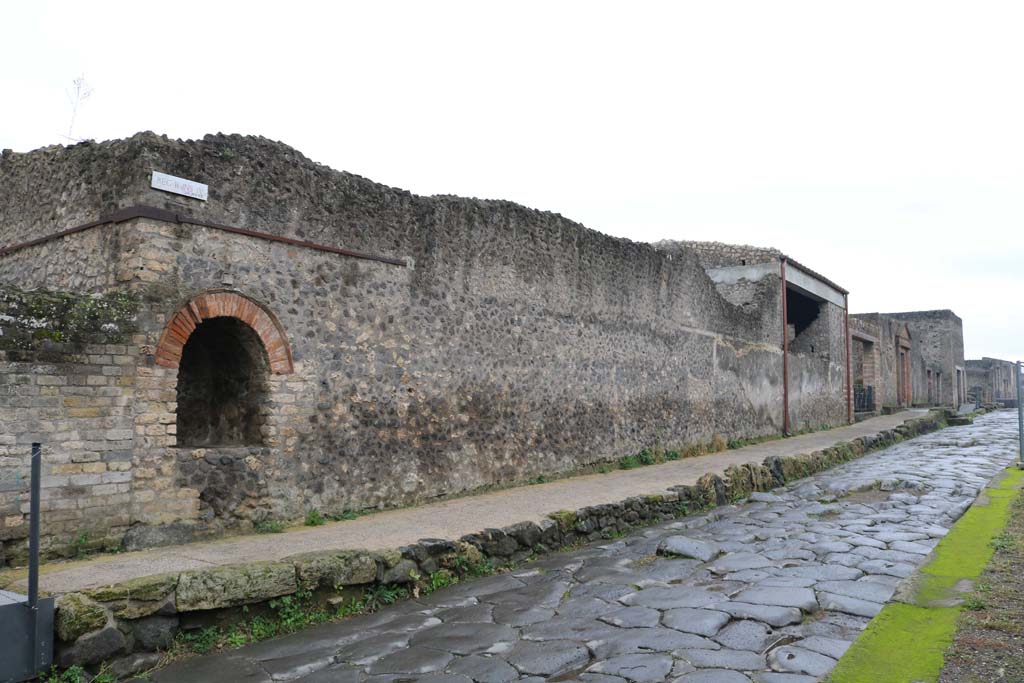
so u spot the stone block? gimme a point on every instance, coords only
(334, 568)
(77, 615)
(234, 585)
(93, 648)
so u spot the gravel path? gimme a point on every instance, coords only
(772, 590)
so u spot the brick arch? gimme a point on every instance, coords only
(225, 304)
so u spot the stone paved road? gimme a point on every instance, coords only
(769, 591)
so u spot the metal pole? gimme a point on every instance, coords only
(33, 555)
(849, 363)
(785, 351)
(1020, 418)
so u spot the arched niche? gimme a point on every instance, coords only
(224, 346)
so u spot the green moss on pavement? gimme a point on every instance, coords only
(906, 641)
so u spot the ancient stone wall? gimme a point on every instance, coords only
(885, 329)
(938, 345)
(936, 339)
(991, 380)
(68, 371)
(513, 343)
(719, 254)
(817, 372)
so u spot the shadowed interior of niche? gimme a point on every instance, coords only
(222, 385)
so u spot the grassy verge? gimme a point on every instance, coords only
(989, 641)
(906, 642)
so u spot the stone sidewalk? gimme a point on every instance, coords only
(449, 519)
(770, 590)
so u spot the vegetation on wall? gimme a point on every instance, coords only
(29, 319)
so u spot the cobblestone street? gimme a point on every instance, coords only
(772, 590)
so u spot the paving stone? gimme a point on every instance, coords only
(703, 622)
(747, 635)
(563, 628)
(845, 559)
(772, 677)
(788, 581)
(685, 546)
(547, 594)
(863, 590)
(586, 607)
(481, 613)
(844, 603)
(762, 497)
(339, 673)
(373, 648)
(900, 569)
(865, 541)
(734, 562)
(646, 640)
(741, 660)
(823, 572)
(670, 570)
(411, 660)
(894, 536)
(631, 617)
(794, 554)
(830, 647)
(463, 639)
(798, 660)
(484, 669)
(668, 598)
(802, 598)
(602, 591)
(298, 664)
(230, 667)
(410, 622)
(680, 667)
(908, 547)
(831, 547)
(640, 668)
(521, 616)
(547, 658)
(600, 678)
(769, 614)
(748, 576)
(713, 676)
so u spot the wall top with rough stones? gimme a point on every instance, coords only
(938, 314)
(266, 186)
(255, 182)
(719, 254)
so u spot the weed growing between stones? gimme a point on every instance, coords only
(79, 545)
(301, 610)
(269, 526)
(658, 455)
(76, 674)
(315, 518)
(348, 515)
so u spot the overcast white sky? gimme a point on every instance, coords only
(880, 143)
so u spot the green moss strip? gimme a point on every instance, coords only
(906, 641)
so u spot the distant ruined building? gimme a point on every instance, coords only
(909, 359)
(990, 382)
(306, 338)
